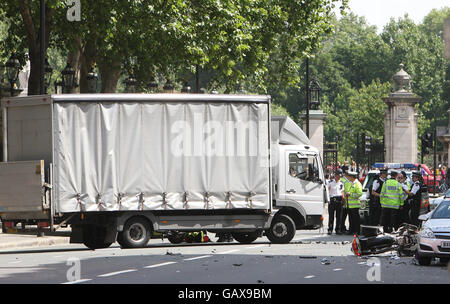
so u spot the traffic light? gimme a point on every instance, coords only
(427, 142)
(366, 143)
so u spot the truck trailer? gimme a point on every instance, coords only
(117, 167)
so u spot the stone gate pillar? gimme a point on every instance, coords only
(401, 121)
(316, 118)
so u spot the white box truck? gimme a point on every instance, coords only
(120, 166)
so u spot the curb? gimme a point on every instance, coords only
(39, 242)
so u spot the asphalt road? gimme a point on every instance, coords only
(300, 262)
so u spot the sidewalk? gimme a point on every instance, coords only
(28, 238)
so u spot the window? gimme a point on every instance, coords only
(442, 211)
(303, 167)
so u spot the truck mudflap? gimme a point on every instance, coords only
(24, 195)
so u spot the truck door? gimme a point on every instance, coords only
(304, 181)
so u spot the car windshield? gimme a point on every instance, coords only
(442, 211)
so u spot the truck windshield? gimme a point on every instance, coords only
(304, 168)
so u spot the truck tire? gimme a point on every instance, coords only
(136, 233)
(94, 237)
(245, 237)
(282, 229)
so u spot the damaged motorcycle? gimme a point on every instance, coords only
(372, 241)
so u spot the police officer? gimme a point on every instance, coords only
(336, 190)
(404, 211)
(353, 194)
(416, 198)
(374, 200)
(344, 213)
(391, 201)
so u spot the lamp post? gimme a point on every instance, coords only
(186, 88)
(12, 71)
(92, 80)
(168, 87)
(68, 75)
(130, 83)
(312, 95)
(48, 75)
(153, 85)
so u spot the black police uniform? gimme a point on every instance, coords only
(375, 205)
(415, 203)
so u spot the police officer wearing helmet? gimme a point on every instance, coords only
(353, 194)
(416, 198)
(374, 202)
(391, 200)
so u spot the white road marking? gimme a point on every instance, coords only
(116, 273)
(197, 258)
(159, 265)
(78, 281)
(310, 277)
(16, 262)
(229, 251)
(258, 246)
(337, 269)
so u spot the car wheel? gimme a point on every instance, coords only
(424, 261)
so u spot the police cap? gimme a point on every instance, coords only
(394, 173)
(416, 174)
(352, 173)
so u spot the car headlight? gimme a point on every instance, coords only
(426, 233)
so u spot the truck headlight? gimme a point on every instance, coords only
(426, 233)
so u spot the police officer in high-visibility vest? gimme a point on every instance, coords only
(391, 200)
(353, 194)
(344, 212)
(416, 198)
(374, 202)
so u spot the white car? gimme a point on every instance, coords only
(434, 236)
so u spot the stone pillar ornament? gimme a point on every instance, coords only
(401, 121)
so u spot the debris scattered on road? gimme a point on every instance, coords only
(325, 261)
(269, 256)
(395, 257)
(260, 282)
(307, 257)
(171, 253)
(237, 265)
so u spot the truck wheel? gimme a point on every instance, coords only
(136, 233)
(282, 229)
(245, 238)
(94, 237)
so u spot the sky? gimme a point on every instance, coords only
(379, 12)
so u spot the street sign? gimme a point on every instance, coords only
(447, 38)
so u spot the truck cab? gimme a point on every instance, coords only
(298, 178)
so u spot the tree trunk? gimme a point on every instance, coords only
(110, 73)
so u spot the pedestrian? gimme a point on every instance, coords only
(374, 199)
(345, 180)
(404, 211)
(391, 200)
(345, 166)
(353, 194)
(336, 190)
(416, 198)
